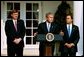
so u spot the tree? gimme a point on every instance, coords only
(63, 9)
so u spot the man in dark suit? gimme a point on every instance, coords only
(47, 27)
(15, 32)
(70, 33)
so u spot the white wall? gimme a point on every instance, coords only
(78, 20)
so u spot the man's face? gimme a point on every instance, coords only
(68, 20)
(14, 16)
(50, 18)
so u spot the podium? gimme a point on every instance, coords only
(48, 48)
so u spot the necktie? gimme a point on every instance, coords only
(48, 27)
(69, 30)
(16, 25)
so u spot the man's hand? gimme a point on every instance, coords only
(61, 33)
(72, 44)
(35, 34)
(16, 41)
(19, 39)
(69, 45)
(66, 44)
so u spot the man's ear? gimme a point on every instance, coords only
(72, 20)
(11, 15)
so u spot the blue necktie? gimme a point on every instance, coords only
(48, 27)
(69, 30)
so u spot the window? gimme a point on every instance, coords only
(32, 16)
(11, 6)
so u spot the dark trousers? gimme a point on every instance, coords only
(42, 48)
(12, 50)
(68, 51)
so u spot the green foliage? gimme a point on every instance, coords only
(63, 9)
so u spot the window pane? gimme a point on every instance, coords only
(28, 6)
(35, 23)
(28, 15)
(8, 14)
(35, 7)
(28, 23)
(34, 40)
(28, 40)
(28, 32)
(17, 6)
(9, 6)
(35, 15)
(34, 31)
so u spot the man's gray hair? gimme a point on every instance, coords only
(49, 13)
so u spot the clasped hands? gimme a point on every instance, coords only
(17, 40)
(69, 45)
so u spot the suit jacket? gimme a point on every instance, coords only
(74, 37)
(11, 33)
(42, 28)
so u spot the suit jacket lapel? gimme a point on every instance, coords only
(18, 25)
(12, 24)
(51, 28)
(45, 26)
(72, 30)
(66, 31)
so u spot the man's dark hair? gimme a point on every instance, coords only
(14, 11)
(11, 12)
(70, 15)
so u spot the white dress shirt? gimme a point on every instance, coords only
(48, 26)
(14, 21)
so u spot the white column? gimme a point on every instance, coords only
(78, 20)
(3, 37)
